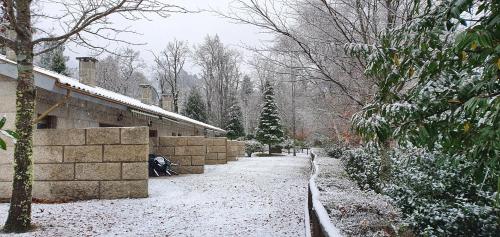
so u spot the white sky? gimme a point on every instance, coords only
(189, 27)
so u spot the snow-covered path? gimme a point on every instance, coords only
(262, 196)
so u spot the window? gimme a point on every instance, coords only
(49, 122)
(153, 133)
(179, 134)
(174, 134)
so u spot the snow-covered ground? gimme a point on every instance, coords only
(353, 211)
(262, 196)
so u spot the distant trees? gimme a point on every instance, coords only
(246, 92)
(121, 72)
(168, 67)
(234, 125)
(270, 130)
(220, 73)
(195, 106)
(54, 60)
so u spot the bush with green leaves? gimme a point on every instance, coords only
(7, 133)
(252, 146)
(438, 83)
(363, 166)
(334, 150)
(438, 89)
(438, 196)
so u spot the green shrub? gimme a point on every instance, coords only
(437, 193)
(363, 166)
(334, 150)
(438, 196)
(252, 146)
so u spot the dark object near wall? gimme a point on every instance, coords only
(276, 149)
(160, 166)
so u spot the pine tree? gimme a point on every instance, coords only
(270, 130)
(235, 126)
(54, 60)
(195, 107)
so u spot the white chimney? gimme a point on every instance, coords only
(167, 103)
(146, 94)
(87, 70)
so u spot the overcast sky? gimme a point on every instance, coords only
(189, 27)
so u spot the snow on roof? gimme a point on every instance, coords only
(115, 97)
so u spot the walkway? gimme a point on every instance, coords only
(251, 197)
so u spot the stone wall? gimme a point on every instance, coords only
(235, 149)
(93, 163)
(216, 151)
(188, 152)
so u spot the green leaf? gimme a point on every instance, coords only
(2, 122)
(3, 146)
(10, 133)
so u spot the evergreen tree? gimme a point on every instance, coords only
(270, 130)
(235, 126)
(54, 60)
(195, 107)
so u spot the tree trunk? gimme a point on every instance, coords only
(19, 219)
(385, 163)
(176, 102)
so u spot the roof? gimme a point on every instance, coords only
(111, 96)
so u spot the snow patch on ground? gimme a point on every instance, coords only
(261, 196)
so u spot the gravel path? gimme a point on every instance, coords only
(251, 197)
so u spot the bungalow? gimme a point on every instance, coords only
(63, 102)
(93, 143)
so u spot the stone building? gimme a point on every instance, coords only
(92, 143)
(72, 103)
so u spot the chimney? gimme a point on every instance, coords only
(146, 94)
(167, 102)
(87, 70)
(10, 53)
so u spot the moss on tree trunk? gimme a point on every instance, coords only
(19, 219)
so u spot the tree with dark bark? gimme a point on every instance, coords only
(82, 21)
(168, 68)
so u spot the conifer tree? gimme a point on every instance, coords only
(235, 126)
(55, 60)
(270, 130)
(195, 107)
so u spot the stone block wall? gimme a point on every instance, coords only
(235, 149)
(188, 152)
(93, 163)
(216, 151)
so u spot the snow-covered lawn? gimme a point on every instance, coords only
(262, 196)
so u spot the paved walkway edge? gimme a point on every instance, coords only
(320, 224)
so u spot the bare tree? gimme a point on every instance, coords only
(121, 72)
(220, 74)
(310, 36)
(168, 68)
(79, 22)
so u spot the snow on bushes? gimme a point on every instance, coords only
(333, 150)
(354, 211)
(439, 197)
(252, 146)
(436, 192)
